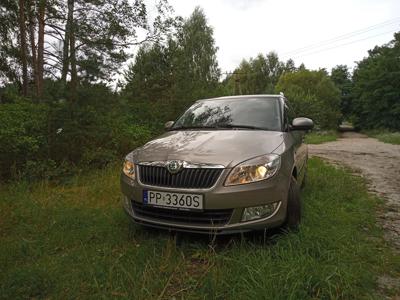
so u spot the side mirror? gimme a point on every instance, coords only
(168, 125)
(302, 124)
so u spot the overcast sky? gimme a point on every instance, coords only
(244, 28)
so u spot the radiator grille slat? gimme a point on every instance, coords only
(200, 178)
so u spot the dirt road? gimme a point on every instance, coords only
(376, 161)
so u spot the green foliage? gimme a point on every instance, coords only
(9, 50)
(340, 75)
(22, 136)
(105, 29)
(377, 88)
(197, 71)
(319, 137)
(312, 94)
(385, 136)
(50, 140)
(149, 78)
(10, 93)
(258, 75)
(182, 70)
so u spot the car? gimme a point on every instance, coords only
(226, 165)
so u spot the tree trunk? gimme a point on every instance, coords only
(33, 44)
(74, 75)
(40, 60)
(65, 58)
(24, 60)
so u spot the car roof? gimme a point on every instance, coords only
(244, 97)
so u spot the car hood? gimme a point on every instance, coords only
(224, 147)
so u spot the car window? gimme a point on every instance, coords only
(260, 113)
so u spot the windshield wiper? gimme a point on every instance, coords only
(226, 126)
(193, 127)
(240, 126)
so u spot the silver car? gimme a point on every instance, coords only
(226, 165)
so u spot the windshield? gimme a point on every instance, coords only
(247, 113)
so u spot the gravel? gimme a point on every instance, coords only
(379, 163)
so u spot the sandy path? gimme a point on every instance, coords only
(379, 163)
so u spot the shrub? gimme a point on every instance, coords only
(312, 94)
(23, 128)
(53, 139)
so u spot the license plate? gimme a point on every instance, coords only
(173, 200)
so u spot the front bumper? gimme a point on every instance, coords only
(217, 198)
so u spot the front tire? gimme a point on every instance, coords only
(293, 214)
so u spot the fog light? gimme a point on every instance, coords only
(259, 212)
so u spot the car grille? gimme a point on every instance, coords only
(206, 217)
(200, 178)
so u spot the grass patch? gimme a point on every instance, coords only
(74, 241)
(385, 136)
(319, 137)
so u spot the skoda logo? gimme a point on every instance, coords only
(174, 166)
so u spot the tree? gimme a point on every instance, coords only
(302, 67)
(31, 16)
(258, 75)
(341, 77)
(149, 78)
(73, 40)
(312, 94)
(97, 35)
(24, 59)
(181, 70)
(10, 56)
(290, 66)
(376, 92)
(32, 29)
(195, 63)
(40, 47)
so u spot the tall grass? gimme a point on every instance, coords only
(74, 241)
(319, 137)
(385, 136)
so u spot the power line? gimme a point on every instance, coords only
(299, 55)
(342, 37)
(341, 45)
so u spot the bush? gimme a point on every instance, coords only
(312, 94)
(54, 139)
(23, 128)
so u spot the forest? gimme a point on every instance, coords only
(82, 83)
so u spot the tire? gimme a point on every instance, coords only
(293, 214)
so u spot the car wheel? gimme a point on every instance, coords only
(293, 214)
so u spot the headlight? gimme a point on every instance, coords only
(255, 169)
(129, 169)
